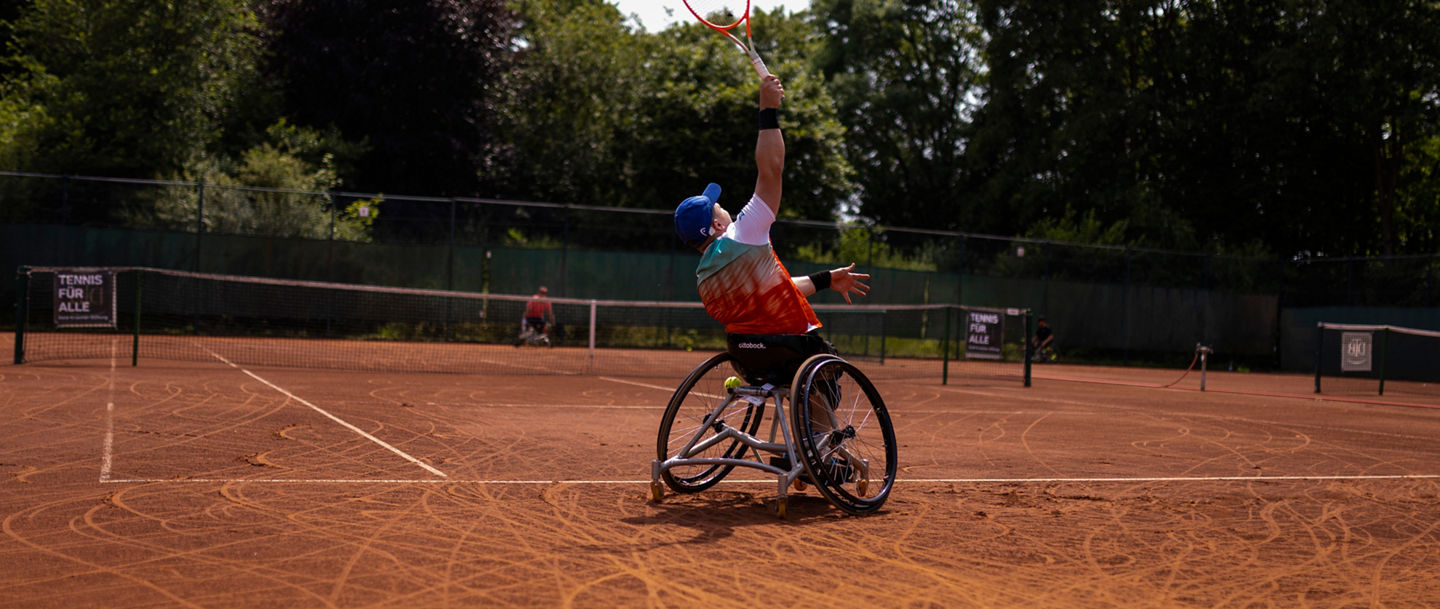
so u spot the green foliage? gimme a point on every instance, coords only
(271, 189)
(574, 108)
(1043, 253)
(517, 237)
(20, 125)
(906, 76)
(418, 80)
(1205, 122)
(127, 89)
(1259, 128)
(633, 119)
(1075, 227)
(1417, 207)
(865, 246)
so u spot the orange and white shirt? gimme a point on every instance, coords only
(744, 285)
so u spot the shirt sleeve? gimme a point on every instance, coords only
(752, 226)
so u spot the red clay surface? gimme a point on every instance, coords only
(205, 485)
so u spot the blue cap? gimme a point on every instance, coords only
(695, 215)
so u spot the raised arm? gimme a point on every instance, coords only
(770, 144)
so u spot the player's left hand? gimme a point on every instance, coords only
(846, 281)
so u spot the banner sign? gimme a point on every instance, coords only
(84, 299)
(1355, 351)
(984, 331)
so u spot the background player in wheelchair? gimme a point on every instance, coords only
(539, 317)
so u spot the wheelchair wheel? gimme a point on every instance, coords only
(694, 400)
(843, 434)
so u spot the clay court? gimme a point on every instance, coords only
(204, 484)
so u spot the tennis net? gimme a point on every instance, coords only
(1361, 357)
(133, 313)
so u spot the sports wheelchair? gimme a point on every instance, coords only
(834, 433)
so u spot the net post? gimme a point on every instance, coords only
(1204, 353)
(1029, 345)
(22, 310)
(945, 350)
(592, 330)
(1319, 351)
(135, 338)
(884, 315)
(1384, 349)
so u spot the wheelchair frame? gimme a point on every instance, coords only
(800, 472)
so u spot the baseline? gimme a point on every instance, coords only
(646, 482)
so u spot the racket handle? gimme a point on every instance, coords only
(758, 63)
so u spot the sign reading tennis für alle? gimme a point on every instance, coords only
(84, 299)
(983, 333)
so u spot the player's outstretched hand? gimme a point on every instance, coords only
(846, 281)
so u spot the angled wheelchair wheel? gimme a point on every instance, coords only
(688, 422)
(843, 434)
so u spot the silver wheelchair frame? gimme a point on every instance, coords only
(779, 441)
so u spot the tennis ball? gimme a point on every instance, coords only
(731, 383)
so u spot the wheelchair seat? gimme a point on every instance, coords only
(773, 358)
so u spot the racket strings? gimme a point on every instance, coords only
(719, 13)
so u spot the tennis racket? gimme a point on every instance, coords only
(717, 15)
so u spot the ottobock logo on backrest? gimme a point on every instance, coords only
(751, 346)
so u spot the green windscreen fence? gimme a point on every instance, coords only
(1103, 314)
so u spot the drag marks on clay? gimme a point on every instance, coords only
(344, 532)
(1171, 439)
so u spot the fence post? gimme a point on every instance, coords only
(565, 252)
(65, 199)
(1125, 310)
(199, 222)
(450, 257)
(450, 275)
(330, 240)
(869, 247)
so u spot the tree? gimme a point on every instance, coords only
(702, 120)
(274, 188)
(1209, 124)
(574, 108)
(641, 120)
(128, 89)
(907, 76)
(417, 80)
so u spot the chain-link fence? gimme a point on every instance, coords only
(1107, 303)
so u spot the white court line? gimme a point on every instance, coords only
(637, 384)
(1358, 477)
(332, 417)
(670, 390)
